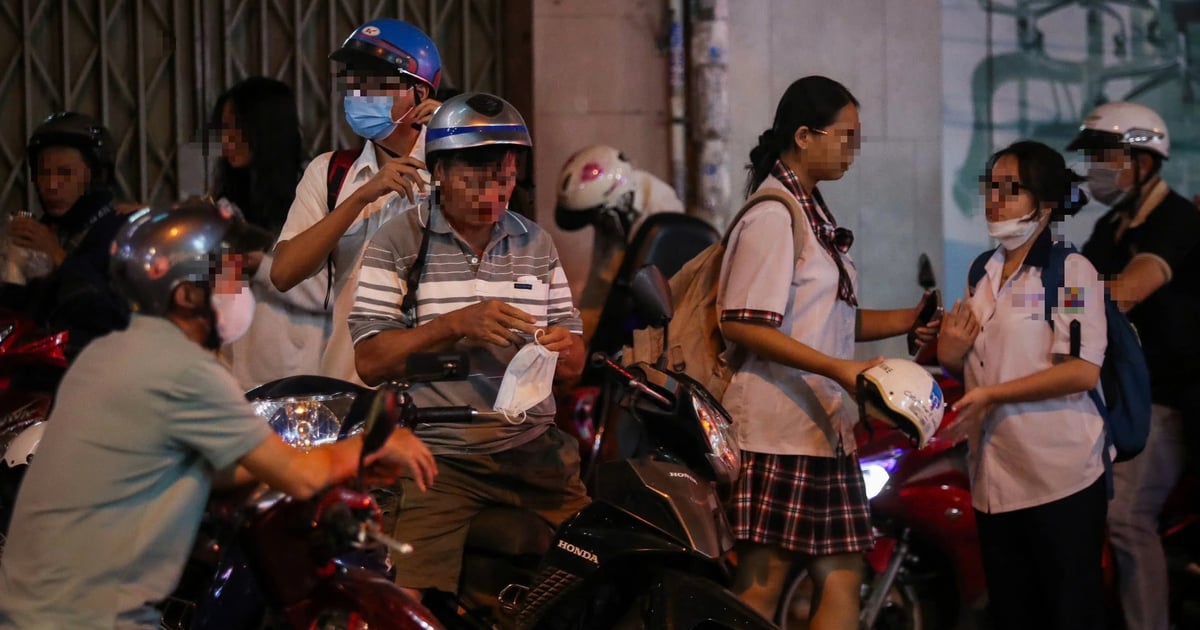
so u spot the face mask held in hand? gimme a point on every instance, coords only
(528, 380)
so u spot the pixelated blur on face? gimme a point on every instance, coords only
(402, 89)
(1004, 197)
(833, 148)
(234, 147)
(478, 195)
(228, 274)
(1115, 159)
(62, 177)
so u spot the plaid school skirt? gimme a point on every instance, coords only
(815, 506)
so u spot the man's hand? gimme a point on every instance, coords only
(556, 339)
(31, 234)
(400, 175)
(494, 322)
(403, 453)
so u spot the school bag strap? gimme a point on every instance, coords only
(697, 347)
(1124, 376)
(799, 219)
(335, 175)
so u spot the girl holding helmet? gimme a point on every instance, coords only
(1036, 438)
(801, 495)
(389, 71)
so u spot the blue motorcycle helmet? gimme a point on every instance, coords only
(391, 45)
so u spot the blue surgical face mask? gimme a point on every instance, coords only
(371, 116)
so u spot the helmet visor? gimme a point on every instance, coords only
(1095, 140)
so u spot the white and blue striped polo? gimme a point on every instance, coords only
(520, 266)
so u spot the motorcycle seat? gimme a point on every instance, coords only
(509, 531)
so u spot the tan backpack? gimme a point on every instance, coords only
(696, 345)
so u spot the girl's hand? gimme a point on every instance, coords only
(958, 331)
(846, 373)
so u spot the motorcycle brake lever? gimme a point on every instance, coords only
(377, 535)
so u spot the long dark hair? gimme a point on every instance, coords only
(266, 116)
(812, 102)
(1044, 173)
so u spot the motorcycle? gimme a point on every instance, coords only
(267, 560)
(925, 570)
(650, 551)
(32, 362)
(668, 241)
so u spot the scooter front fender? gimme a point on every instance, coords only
(371, 598)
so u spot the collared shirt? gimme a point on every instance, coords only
(779, 409)
(519, 266)
(1025, 454)
(110, 506)
(309, 207)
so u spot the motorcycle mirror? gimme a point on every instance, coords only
(652, 295)
(427, 367)
(381, 420)
(925, 276)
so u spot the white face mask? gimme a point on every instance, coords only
(1014, 232)
(1102, 183)
(234, 312)
(528, 380)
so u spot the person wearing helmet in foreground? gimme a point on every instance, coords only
(1035, 438)
(468, 275)
(147, 420)
(1147, 247)
(389, 71)
(62, 259)
(599, 187)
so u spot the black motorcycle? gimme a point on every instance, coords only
(651, 549)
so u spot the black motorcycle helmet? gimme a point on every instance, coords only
(79, 131)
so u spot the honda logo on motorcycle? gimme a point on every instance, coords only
(582, 553)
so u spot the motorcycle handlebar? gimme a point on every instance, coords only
(601, 360)
(436, 415)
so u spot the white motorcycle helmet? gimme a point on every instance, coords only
(596, 181)
(1123, 125)
(904, 395)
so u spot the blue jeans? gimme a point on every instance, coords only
(1141, 487)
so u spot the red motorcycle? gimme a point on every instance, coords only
(925, 570)
(32, 363)
(268, 560)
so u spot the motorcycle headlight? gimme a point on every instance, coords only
(305, 422)
(877, 471)
(724, 453)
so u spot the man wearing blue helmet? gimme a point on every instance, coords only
(469, 275)
(389, 70)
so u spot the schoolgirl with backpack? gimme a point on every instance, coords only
(788, 309)
(1031, 341)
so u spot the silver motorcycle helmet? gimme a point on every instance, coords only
(157, 249)
(475, 119)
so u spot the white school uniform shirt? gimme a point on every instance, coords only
(779, 409)
(311, 206)
(1027, 454)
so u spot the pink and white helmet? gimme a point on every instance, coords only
(594, 178)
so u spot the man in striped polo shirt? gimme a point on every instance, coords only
(486, 282)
